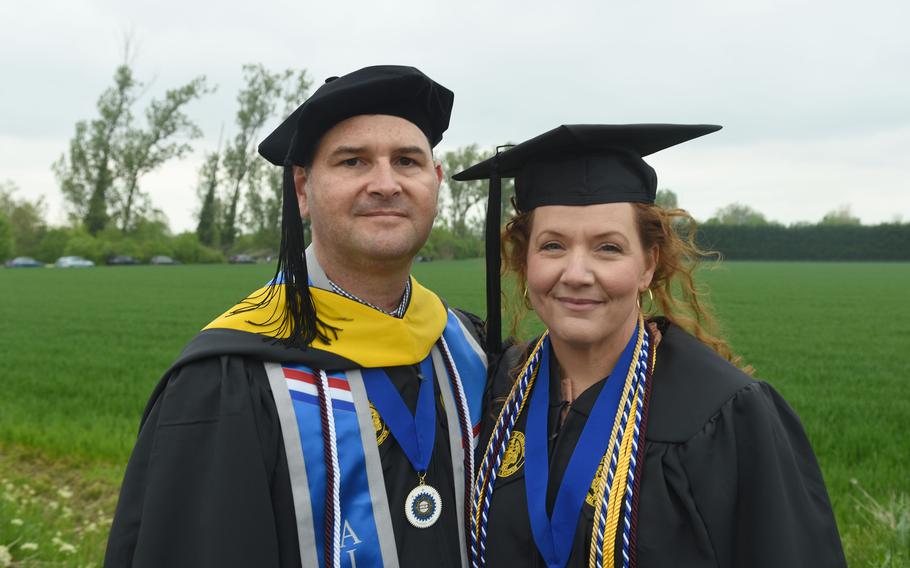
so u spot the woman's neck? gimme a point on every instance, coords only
(585, 364)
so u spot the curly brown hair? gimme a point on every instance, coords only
(675, 294)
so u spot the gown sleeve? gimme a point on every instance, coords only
(745, 490)
(207, 483)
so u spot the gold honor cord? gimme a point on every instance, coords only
(505, 406)
(615, 497)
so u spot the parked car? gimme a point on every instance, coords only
(121, 260)
(161, 259)
(242, 259)
(73, 262)
(23, 262)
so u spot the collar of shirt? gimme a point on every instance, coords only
(397, 312)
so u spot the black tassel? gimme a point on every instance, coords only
(298, 320)
(494, 219)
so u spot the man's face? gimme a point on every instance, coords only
(371, 192)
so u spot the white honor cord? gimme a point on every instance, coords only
(336, 475)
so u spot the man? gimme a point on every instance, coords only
(329, 418)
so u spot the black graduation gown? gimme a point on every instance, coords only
(208, 484)
(729, 477)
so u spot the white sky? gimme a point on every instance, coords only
(814, 96)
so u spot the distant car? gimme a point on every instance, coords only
(242, 259)
(73, 262)
(121, 260)
(23, 262)
(161, 259)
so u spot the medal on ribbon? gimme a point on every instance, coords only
(415, 434)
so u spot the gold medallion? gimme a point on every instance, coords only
(591, 497)
(379, 426)
(514, 457)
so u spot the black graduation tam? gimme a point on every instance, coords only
(382, 89)
(577, 164)
(586, 164)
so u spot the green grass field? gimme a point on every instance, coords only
(82, 349)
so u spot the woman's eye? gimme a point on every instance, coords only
(551, 246)
(609, 247)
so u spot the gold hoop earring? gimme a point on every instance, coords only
(524, 295)
(651, 303)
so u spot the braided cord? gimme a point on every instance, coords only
(642, 364)
(467, 429)
(604, 490)
(486, 475)
(633, 529)
(608, 548)
(332, 533)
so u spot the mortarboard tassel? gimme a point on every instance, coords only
(493, 225)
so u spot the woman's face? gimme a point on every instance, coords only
(586, 267)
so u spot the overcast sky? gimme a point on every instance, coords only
(814, 96)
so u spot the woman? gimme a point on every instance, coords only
(616, 439)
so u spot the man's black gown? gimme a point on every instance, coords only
(208, 483)
(729, 477)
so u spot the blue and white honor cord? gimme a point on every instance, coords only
(486, 475)
(602, 532)
(489, 467)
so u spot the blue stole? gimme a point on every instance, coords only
(364, 513)
(554, 536)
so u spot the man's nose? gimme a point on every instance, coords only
(383, 182)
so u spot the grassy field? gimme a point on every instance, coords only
(82, 349)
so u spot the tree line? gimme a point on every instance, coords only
(238, 195)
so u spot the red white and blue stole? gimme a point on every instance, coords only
(343, 516)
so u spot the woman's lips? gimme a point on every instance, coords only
(579, 304)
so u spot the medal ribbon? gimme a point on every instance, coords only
(554, 536)
(415, 434)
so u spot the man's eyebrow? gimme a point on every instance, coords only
(412, 150)
(348, 150)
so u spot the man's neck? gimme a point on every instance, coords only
(382, 284)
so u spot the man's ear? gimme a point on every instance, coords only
(300, 179)
(439, 174)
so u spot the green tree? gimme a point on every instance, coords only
(53, 244)
(263, 204)
(459, 197)
(25, 218)
(99, 176)
(6, 237)
(207, 229)
(142, 150)
(666, 199)
(840, 216)
(257, 102)
(738, 214)
(86, 175)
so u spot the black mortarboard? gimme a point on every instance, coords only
(383, 89)
(578, 164)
